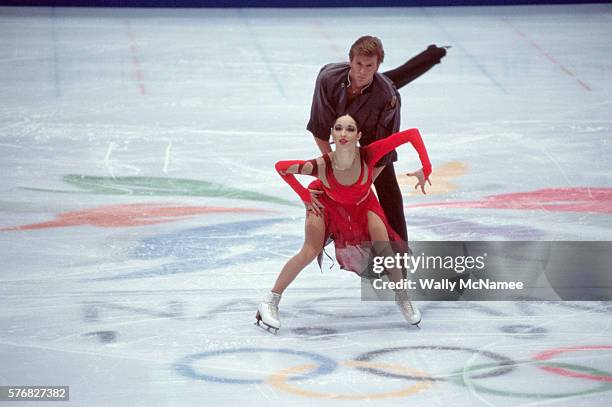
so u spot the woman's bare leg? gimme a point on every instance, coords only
(267, 311)
(382, 247)
(313, 244)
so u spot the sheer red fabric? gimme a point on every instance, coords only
(347, 206)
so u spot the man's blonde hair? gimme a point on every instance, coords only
(368, 46)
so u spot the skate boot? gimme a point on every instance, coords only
(408, 308)
(267, 312)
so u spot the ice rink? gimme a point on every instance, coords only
(142, 220)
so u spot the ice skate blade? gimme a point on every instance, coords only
(265, 326)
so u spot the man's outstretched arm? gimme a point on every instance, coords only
(416, 66)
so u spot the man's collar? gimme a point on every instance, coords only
(348, 81)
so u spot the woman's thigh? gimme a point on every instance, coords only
(314, 232)
(377, 228)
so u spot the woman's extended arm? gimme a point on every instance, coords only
(286, 169)
(378, 149)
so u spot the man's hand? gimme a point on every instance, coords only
(421, 179)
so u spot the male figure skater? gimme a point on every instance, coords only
(358, 89)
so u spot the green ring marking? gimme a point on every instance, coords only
(459, 378)
(159, 186)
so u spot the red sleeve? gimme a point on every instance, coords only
(283, 166)
(379, 148)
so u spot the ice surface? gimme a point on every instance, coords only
(143, 220)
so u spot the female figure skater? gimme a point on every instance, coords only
(347, 211)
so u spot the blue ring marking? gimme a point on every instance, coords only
(326, 365)
(204, 248)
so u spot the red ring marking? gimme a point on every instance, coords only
(546, 355)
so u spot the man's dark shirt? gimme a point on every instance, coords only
(376, 109)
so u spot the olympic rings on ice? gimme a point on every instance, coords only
(505, 364)
(465, 380)
(184, 367)
(567, 372)
(465, 376)
(279, 380)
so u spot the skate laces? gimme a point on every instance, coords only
(401, 298)
(274, 311)
(273, 299)
(407, 305)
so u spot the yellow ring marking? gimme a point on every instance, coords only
(443, 179)
(279, 380)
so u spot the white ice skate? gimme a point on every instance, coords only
(267, 312)
(408, 308)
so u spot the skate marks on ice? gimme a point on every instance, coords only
(342, 317)
(350, 322)
(103, 312)
(298, 362)
(342, 323)
(104, 336)
(92, 310)
(525, 331)
(210, 247)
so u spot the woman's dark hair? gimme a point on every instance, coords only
(351, 116)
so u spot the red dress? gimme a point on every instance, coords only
(347, 206)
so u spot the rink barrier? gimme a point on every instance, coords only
(282, 3)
